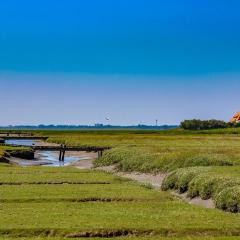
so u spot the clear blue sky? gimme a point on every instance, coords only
(131, 60)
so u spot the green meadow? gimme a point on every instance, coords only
(40, 202)
(67, 202)
(203, 163)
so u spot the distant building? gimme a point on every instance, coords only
(235, 118)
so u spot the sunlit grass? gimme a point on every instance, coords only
(219, 183)
(152, 151)
(52, 201)
(166, 151)
(121, 206)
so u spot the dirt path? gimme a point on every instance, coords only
(195, 201)
(154, 180)
(145, 178)
(86, 162)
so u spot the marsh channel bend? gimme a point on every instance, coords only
(44, 157)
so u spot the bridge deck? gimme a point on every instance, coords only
(58, 148)
(67, 148)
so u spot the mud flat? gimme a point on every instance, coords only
(46, 157)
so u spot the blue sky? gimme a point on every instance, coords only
(132, 60)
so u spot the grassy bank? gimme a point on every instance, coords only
(219, 183)
(151, 151)
(168, 151)
(18, 151)
(213, 154)
(45, 201)
(67, 202)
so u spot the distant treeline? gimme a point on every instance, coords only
(196, 124)
(76, 127)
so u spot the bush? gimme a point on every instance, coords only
(210, 185)
(229, 199)
(206, 183)
(180, 179)
(203, 186)
(196, 124)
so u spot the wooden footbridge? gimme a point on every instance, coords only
(61, 148)
(21, 136)
(15, 133)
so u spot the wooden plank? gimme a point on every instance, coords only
(58, 148)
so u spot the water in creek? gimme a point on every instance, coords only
(49, 158)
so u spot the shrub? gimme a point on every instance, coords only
(206, 183)
(180, 179)
(202, 186)
(196, 124)
(229, 199)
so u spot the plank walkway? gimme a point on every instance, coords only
(61, 148)
(58, 148)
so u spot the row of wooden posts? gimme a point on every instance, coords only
(63, 150)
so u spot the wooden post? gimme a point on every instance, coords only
(60, 155)
(100, 153)
(63, 153)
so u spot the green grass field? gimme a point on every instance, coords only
(169, 151)
(150, 151)
(84, 206)
(59, 202)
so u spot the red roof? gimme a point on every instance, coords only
(235, 118)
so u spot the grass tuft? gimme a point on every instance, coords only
(210, 182)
